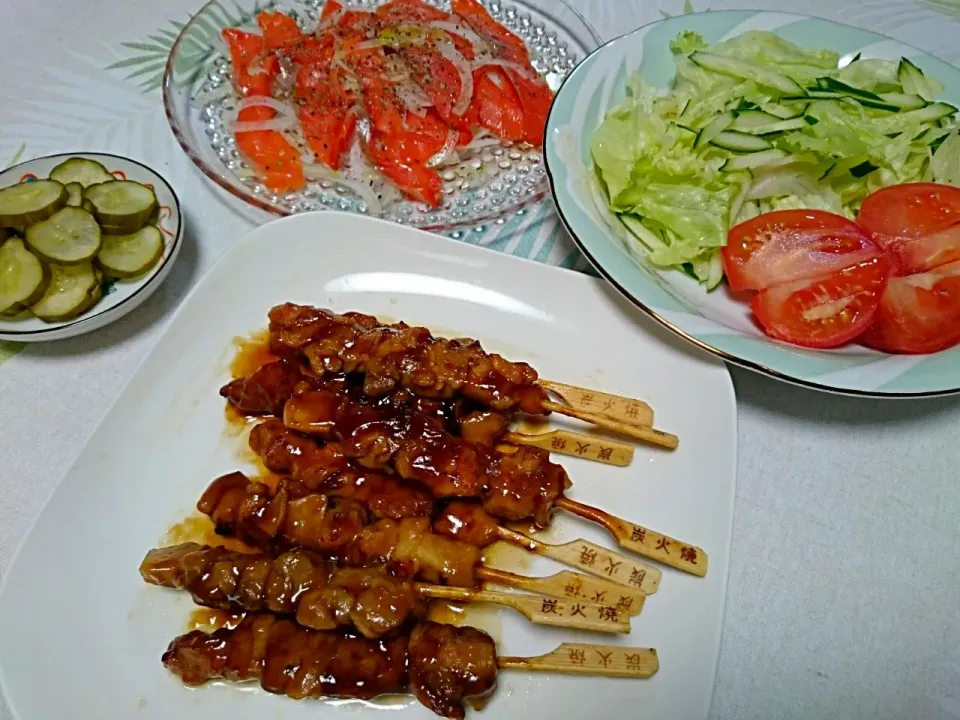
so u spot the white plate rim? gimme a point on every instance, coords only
(454, 247)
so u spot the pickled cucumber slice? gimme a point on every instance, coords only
(80, 170)
(75, 191)
(23, 278)
(30, 202)
(122, 204)
(69, 236)
(126, 256)
(73, 289)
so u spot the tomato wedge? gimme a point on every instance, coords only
(790, 245)
(400, 12)
(276, 160)
(919, 223)
(413, 178)
(279, 31)
(535, 100)
(824, 312)
(325, 110)
(496, 104)
(918, 313)
(505, 44)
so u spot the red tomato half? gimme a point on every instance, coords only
(824, 312)
(919, 223)
(789, 245)
(918, 313)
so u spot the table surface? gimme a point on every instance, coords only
(843, 593)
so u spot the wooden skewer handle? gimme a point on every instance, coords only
(541, 610)
(650, 435)
(645, 542)
(570, 585)
(583, 659)
(624, 409)
(590, 447)
(593, 560)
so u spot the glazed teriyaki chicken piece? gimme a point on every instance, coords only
(443, 665)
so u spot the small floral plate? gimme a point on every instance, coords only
(715, 321)
(119, 296)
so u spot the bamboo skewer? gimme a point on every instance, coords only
(626, 410)
(540, 610)
(650, 435)
(591, 559)
(565, 442)
(569, 584)
(638, 539)
(585, 659)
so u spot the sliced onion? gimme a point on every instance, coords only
(481, 141)
(413, 98)
(275, 123)
(329, 22)
(466, 76)
(447, 152)
(485, 60)
(368, 44)
(285, 118)
(277, 106)
(459, 28)
(358, 188)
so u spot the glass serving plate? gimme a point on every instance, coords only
(485, 184)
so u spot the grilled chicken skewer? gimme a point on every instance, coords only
(323, 597)
(513, 487)
(442, 665)
(267, 390)
(289, 516)
(391, 356)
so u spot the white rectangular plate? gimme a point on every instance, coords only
(81, 635)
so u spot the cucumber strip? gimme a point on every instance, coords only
(122, 203)
(785, 112)
(831, 85)
(767, 159)
(863, 169)
(75, 192)
(753, 160)
(842, 167)
(904, 101)
(73, 289)
(713, 128)
(740, 142)
(30, 202)
(747, 71)
(913, 80)
(23, 278)
(69, 236)
(752, 119)
(931, 113)
(777, 127)
(642, 233)
(127, 256)
(80, 170)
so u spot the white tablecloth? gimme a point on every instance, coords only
(844, 595)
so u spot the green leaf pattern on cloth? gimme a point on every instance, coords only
(146, 64)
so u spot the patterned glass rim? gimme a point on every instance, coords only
(251, 199)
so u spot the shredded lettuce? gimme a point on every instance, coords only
(674, 195)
